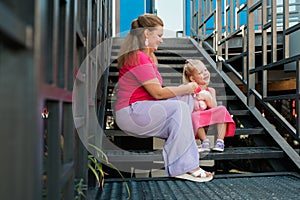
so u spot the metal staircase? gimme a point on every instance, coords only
(256, 144)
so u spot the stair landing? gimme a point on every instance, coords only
(240, 186)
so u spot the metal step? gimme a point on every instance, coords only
(240, 186)
(229, 154)
(168, 52)
(239, 153)
(249, 131)
(238, 131)
(239, 112)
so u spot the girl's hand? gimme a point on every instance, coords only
(203, 95)
(206, 95)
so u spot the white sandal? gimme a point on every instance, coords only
(195, 176)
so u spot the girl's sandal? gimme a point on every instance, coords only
(195, 176)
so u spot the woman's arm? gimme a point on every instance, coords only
(154, 88)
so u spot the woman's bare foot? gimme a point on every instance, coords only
(201, 174)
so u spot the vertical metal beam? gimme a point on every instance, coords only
(251, 52)
(84, 26)
(117, 16)
(193, 20)
(264, 49)
(237, 19)
(204, 15)
(274, 31)
(98, 23)
(245, 57)
(226, 19)
(68, 149)
(298, 99)
(231, 16)
(54, 152)
(219, 31)
(61, 68)
(72, 44)
(286, 37)
(55, 33)
(68, 39)
(68, 125)
(200, 19)
(110, 13)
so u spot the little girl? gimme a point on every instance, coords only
(206, 111)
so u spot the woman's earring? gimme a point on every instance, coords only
(146, 42)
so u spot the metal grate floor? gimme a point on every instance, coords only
(256, 187)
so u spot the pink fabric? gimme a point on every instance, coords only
(131, 79)
(219, 114)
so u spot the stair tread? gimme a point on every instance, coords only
(239, 112)
(244, 153)
(229, 153)
(238, 131)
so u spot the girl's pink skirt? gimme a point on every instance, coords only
(219, 114)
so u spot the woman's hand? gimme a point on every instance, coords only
(193, 85)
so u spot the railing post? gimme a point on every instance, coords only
(219, 31)
(251, 53)
(286, 42)
(274, 31)
(199, 20)
(297, 100)
(226, 23)
(264, 48)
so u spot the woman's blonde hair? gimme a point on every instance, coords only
(189, 68)
(135, 39)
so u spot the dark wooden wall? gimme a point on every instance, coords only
(42, 44)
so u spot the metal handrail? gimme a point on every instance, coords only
(252, 72)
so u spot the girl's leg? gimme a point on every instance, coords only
(219, 146)
(221, 130)
(205, 146)
(201, 134)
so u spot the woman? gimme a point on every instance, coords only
(145, 109)
(206, 111)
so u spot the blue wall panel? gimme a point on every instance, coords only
(187, 17)
(129, 10)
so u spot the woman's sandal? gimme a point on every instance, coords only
(195, 176)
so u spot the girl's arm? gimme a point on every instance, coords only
(211, 100)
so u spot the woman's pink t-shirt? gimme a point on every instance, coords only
(130, 81)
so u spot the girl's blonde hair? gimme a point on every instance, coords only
(135, 39)
(189, 68)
